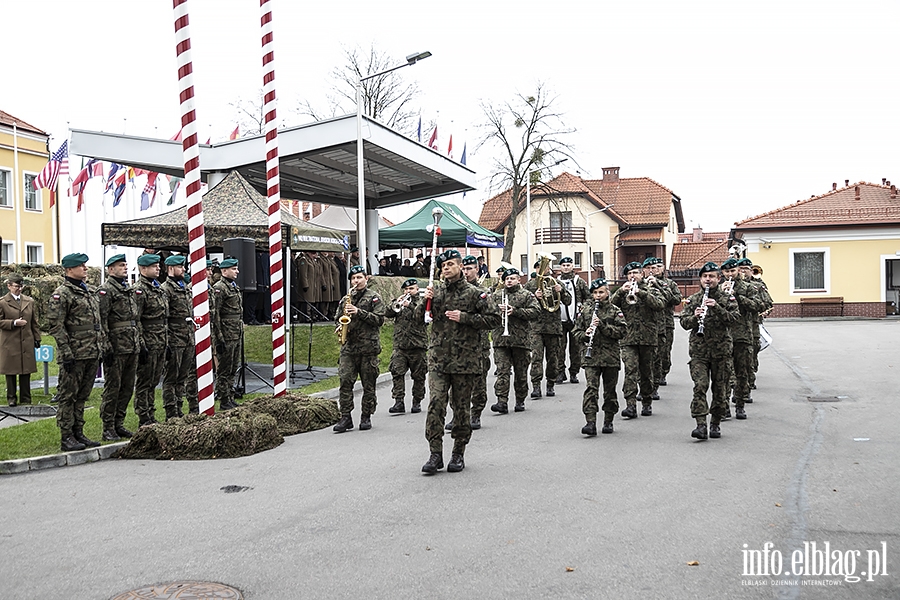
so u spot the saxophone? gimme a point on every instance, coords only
(344, 321)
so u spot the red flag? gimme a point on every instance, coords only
(176, 137)
(450, 147)
(432, 141)
(77, 187)
(97, 168)
(234, 134)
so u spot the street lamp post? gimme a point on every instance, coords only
(587, 224)
(528, 205)
(360, 174)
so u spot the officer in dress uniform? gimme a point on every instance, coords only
(228, 332)
(118, 318)
(74, 320)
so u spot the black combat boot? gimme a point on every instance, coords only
(561, 378)
(520, 405)
(434, 464)
(654, 396)
(700, 431)
(607, 426)
(647, 411)
(739, 413)
(573, 378)
(449, 425)
(345, 424)
(500, 407)
(88, 443)
(122, 432)
(476, 421)
(537, 391)
(456, 463)
(416, 406)
(590, 428)
(69, 444)
(714, 431)
(630, 412)
(398, 408)
(749, 400)
(662, 381)
(550, 391)
(110, 435)
(365, 422)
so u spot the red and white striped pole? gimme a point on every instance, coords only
(274, 194)
(196, 235)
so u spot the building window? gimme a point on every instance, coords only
(525, 267)
(578, 260)
(34, 253)
(561, 220)
(8, 253)
(597, 261)
(809, 270)
(32, 196)
(5, 191)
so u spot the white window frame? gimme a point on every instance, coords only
(576, 259)
(40, 248)
(10, 198)
(826, 251)
(11, 244)
(38, 196)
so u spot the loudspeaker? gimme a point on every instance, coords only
(243, 249)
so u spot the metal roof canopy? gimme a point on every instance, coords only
(317, 162)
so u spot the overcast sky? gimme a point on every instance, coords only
(738, 108)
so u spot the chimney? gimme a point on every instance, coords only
(846, 182)
(893, 192)
(698, 234)
(611, 175)
(833, 186)
(857, 192)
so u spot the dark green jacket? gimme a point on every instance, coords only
(410, 332)
(73, 315)
(611, 328)
(363, 335)
(750, 305)
(716, 340)
(525, 310)
(548, 322)
(153, 310)
(181, 313)
(642, 317)
(228, 325)
(673, 299)
(581, 292)
(119, 316)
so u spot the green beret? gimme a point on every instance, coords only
(509, 272)
(354, 270)
(745, 262)
(114, 259)
(70, 261)
(630, 267)
(228, 263)
(175, 261)
(146, 260)
(536, 265)
(468, 259)
(710, 266)
(354, 249)
(730, 264)
(500, 270)
(409, 282)
(566, 259)
(598, 283)
(451, 254)
(15, 278)
(209, 263)
(650, 261)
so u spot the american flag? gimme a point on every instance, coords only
(51, 171)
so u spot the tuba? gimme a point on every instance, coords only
(550, 298)
(344, 322)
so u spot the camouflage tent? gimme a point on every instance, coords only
(233, 208)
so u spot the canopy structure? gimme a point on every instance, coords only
(344, 219)
(233, 208)
(457, 229)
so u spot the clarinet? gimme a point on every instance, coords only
(590, 339)
(702, 317)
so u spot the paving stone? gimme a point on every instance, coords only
(47, 462)
(8, 467)
(81, 457)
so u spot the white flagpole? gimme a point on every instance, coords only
(18, 200)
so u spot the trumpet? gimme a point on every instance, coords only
(550, 298)
(728, 287)
(504, 300)
(631, 297)
(397, 305)
(344, 321)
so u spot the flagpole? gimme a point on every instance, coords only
(18, 200)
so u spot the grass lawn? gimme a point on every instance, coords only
(41, 437)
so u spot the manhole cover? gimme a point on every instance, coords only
(823, 398)
(183, 590)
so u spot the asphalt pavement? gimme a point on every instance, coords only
(539, 512)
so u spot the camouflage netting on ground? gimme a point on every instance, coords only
(256, 426)
(40, 282)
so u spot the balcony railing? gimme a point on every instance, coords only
(552, 235)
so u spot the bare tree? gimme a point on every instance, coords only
(529, 135)
(250, 114)
(386, 99)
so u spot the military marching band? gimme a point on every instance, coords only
(544, 330)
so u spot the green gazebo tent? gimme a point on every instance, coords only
(457, 230)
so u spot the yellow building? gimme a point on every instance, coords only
(602, 224)
(26, 221)
(837, 254)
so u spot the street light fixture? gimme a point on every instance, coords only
(360, 174)
(590, 256)
(528, 203)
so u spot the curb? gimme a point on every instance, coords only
(51, 461)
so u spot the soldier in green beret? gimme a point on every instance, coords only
(756, 282)
(359, 354)
(709, 315)
(153, 310)
(546, 337)
(672, 297)
(410, 346)
(599, 327)
(180, 379)
(471, 271)
(512, 342)
(119, 318)
(74, 320)
(579, 294)
(228, 331)
(750, 305)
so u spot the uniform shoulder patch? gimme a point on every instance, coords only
(483, 295)
(102, 292)
(620, 314)
(56, 296)
(138, 291)
(375, 299)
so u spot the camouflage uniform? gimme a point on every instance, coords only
(667, 337)
(513, 352)
(452, 363)
(118, 319)
(479, 388)
(152, 311)
(228, 334)
(410, 347)
(605, 359)
(546, 335)
(579, 290)
(710, 354)
(638, 345)
(359, 356)
(181, 366)
(766, 299)
(749, 304)
(74, 320)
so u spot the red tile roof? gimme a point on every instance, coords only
(693, 255)
(840, 207)
(640, 200)
(653, 235)
(9, 120)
